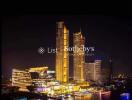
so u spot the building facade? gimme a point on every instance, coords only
(97, 70)
(62, 55)
(78, 56)
(42, 71)
(93, 71)
(89, 71)
(21, 78)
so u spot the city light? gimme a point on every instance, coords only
(88, 82)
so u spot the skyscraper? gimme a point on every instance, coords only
(62, 55)
(93, 71)
(89, 71)
(78, 56)
(97, 70)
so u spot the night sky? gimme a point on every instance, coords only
(23, 35)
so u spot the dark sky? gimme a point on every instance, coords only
(23, 35)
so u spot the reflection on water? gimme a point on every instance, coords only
(27, 99)
(95, 96)
(20, 98)
(99, 96)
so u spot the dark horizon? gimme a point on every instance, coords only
(23, 35)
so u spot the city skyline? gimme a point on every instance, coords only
(22, 37)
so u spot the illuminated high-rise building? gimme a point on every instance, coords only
(93, 71)
(78, 56)
(97, 70)
(62, 55)
(89, 71)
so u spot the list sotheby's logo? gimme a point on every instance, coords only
(87, 50)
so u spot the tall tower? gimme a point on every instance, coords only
(78, 56)
(62, 55)
(97, 70)
(93, 71)
(89, 71)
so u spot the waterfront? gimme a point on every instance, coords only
(70, 75)
(95, 96)
(90, 93)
